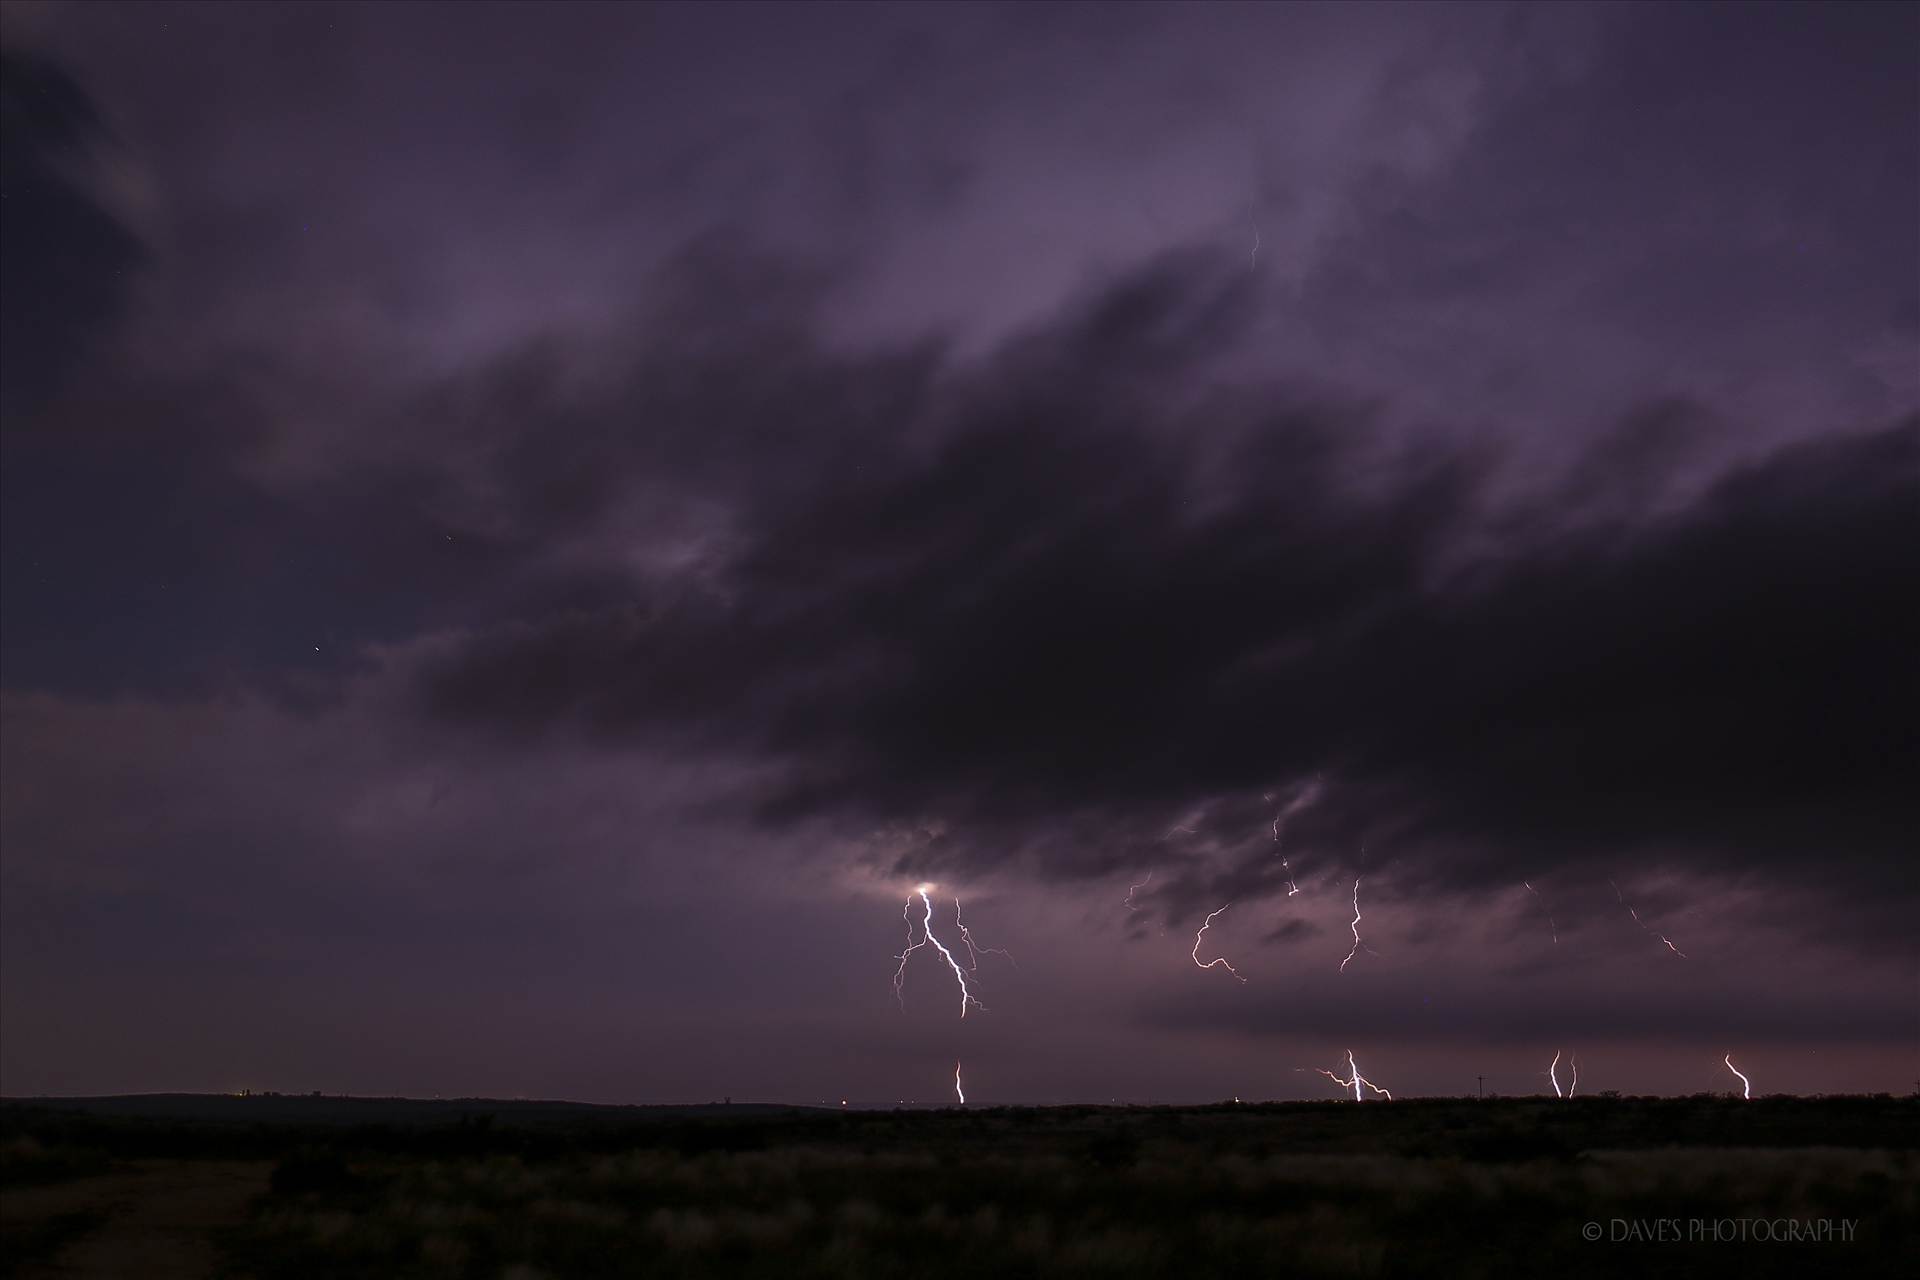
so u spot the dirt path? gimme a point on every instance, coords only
(153, 1220)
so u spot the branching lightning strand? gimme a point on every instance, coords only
(1217, 960)
(926, 936)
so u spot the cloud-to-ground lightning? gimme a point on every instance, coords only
(1554, 1075)
(959, 1089)
(1573, 1064)
(1746, 1086)
(1217, 960)
(1358, 945)
(926, 936)
(1643, 926)
(1552, 927)
(1354, 1080)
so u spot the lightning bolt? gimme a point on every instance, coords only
(1218, 960)
(1554, 928)
(1299, 802)
(1573, 1085)
(1357, 944)
(900, 974)
(1135, 888)
(973, 953)
(1354, 1080)
(1553, 1074)
(958, 1089)
(1746, 1086)
(1253, 213)
(1643, 927)
(926, 937)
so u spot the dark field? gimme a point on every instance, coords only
(335, 1187)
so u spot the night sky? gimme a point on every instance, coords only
(529, 531)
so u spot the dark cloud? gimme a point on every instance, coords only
(1081, 584)
(1293, 931)
(65, 258)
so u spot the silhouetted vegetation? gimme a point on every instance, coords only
(37, 1241)
(28, 1160)
(1409, 1188)
(309, 1170)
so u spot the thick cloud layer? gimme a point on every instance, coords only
(1079, 581)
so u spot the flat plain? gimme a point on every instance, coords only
(179, 1186)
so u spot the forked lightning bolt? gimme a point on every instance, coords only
(1746, 1086)
(1217, 960)
(926, 936)
(1354, 1080)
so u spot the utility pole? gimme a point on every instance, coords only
(1483, 1087)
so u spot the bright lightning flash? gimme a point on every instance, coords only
(1217, 960)
(1354, 1080)
(1746, 1086)
(1357, 943)
(958, 1089)
(1553, 1074)
(926, 936)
